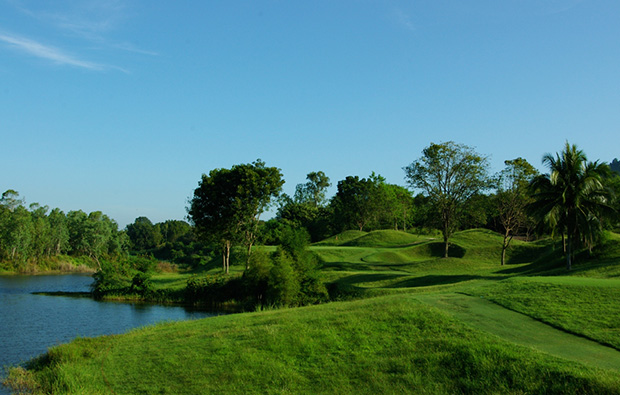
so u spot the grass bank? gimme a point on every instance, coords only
(51, 265)
(390, 344)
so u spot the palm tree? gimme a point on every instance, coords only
(572, 199)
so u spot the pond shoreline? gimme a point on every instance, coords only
(33, 320)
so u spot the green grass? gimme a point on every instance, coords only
(521, 329)
(475, 255)
(342, 238)
(585, 306)
(382, 345)
(416, 331)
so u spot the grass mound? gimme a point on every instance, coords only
(341, 238)
(386, 238)
(380, 345)
(415, 253)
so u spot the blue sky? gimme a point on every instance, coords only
(120, 106)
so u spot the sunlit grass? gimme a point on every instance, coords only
(382, 345)
(396, 343)
(584, 306)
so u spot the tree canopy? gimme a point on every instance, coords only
(512, 197)
(227, 204)
(572, 198)
(449, 174)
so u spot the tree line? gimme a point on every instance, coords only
(32, 235)
(449, 188)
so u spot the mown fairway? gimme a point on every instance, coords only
(424, 325)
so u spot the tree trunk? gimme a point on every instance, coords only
(563, 243)
(226, 257)
(247, 260)
(445, 237)
(505, 245)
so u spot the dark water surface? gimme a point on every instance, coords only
(29, 324)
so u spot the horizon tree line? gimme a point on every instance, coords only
(576, 200)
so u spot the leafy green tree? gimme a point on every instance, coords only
(615, 166)
(257, 187)
(15, 228)
(99, 233)
(314, 191)
(227, 204)
(398, 205)
(76, 225)
(449, 174)
(212, 211)
(143, 234)
(370, 203)
(41, 231)
(512, 198)
(481, 209)
(173, 230)
(614, 186)
(94, 235)
(59, 233)
(572, 198)
(352, 203)
(315, 220)
(422, 213)
(10, 199)
(19, 235)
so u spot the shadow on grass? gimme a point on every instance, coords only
(546, 261)
(438, 249)
(350, 266)
(524, 253)
(408, 281)
(430, 280)
(368, 278)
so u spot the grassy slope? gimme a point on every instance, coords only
(378, 345)
(382, 345)
(584, 306)
(521, 329)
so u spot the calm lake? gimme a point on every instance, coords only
(29, 324)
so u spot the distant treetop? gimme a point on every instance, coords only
(615, 165)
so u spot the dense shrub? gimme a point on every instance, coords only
(213, 290)
(141, 284)
(111, 278)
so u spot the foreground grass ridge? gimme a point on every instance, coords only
(378, 345)
(413, 331)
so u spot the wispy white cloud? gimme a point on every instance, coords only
(80, 17)
(50, 53)
(87, 20)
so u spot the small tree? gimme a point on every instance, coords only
(449, 174)
(512, 198)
